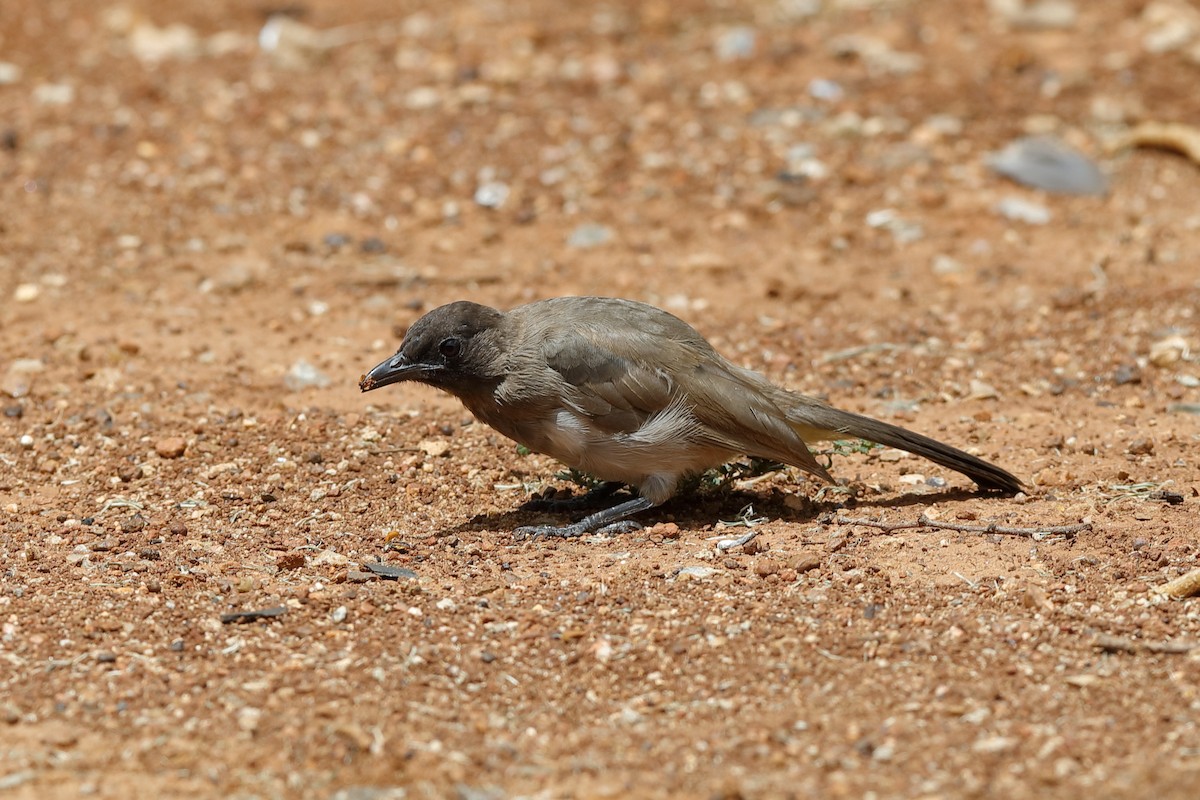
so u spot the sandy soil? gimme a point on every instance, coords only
(194, 231)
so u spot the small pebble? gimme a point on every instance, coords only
(27, 292)
(694, 573)
(1168, 351)
(492, 194)
(1046, 163)
(288, 561)
(590, 235)
(1020, 210)
(304, 375)
(170, 447)
(339, 615)
(434, 448)
(9, 73)
(824, 89)
(736, 44)
(1142, 447)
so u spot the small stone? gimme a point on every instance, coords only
(1168, 351)
(1034, 597)
(736, 44)
(1081, 681)
(590, 235)
(290, 560)
(435, 448)
(981, 391)
(1041, 15)
(825, 89)
(105, 657)
(304, 375)
(27, 292)
(339, 615)
(170, 447)
(248, 719)
(9, 73)
(1142, 447)
(766, 566)
(995, 744)
(802, 564)
(667, 530)
(151, 44)
(492, 194)
(18, 378)
(755, 545)
(1020, 210)
(1126, 374)
(945, 265)
(389, 572)
(694, 573)
(1046, 163)
(54, 94)
(329, 558)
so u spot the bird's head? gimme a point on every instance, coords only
(454, 347)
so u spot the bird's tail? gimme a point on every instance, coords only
(817, 421)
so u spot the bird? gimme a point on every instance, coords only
(632, 395)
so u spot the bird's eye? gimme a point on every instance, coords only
(451, 347)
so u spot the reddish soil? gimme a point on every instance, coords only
(185, 219)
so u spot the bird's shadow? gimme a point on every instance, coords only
(699, 510)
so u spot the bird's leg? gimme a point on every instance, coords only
(591, 499)
(611, 520)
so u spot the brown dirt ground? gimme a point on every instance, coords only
(165, 259)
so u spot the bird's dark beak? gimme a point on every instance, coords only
(393, 370)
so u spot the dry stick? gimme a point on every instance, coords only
(925, 522)
(1184, 586)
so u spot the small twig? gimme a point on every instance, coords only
(966, 580)
(887, 527)
(829, 655)
(1186, 585)
(1107, 643)
(745, 519)
(1037, 534)
(122, 502)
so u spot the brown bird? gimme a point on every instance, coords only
(632, 395)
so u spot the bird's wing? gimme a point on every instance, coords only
(620, 379)
(617, 392)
